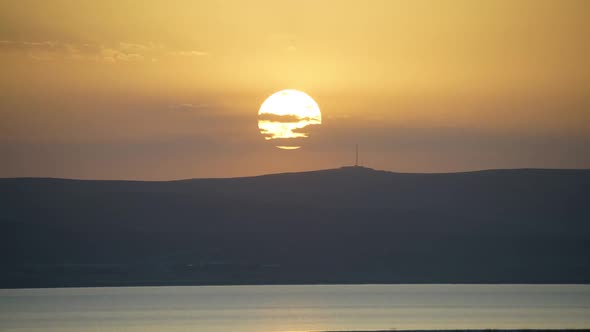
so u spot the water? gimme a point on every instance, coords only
(294, 308)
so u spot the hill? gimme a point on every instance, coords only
(347, 225)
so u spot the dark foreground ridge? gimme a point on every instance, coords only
(347, 225)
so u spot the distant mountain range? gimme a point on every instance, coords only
(346, 225)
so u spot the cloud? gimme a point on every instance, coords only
(50, 50)
(48, 46)
(189, 53)
(282, 118)
(43, 50)
(114, 55)
(287, 141)
(117, 53)
(132, 47)
(189, 107)
(308, 129)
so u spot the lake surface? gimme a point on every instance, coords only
(295, 308)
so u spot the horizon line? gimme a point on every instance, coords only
(301, 172)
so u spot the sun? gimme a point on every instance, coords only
(287, 117)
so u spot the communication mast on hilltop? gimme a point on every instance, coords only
(356, 161)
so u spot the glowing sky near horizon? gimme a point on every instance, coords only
(171, 89)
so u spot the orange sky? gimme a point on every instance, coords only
(171, 89)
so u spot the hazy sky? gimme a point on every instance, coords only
(171, 89)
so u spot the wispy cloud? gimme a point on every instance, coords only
(49, 46)
(189, 107)
(116, 53)
(133, 47)
(189, 53)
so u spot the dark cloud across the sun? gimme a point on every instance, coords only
(282, 118)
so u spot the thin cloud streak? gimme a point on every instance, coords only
(121, 52)
(190, 107)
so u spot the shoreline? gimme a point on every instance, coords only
(99, 284)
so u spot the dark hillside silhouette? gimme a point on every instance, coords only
(347, 225)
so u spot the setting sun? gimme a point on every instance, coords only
(286, 116)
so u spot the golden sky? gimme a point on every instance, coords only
(171, 89)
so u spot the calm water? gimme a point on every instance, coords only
(295, 308)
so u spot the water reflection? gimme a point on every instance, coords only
(295, 308)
